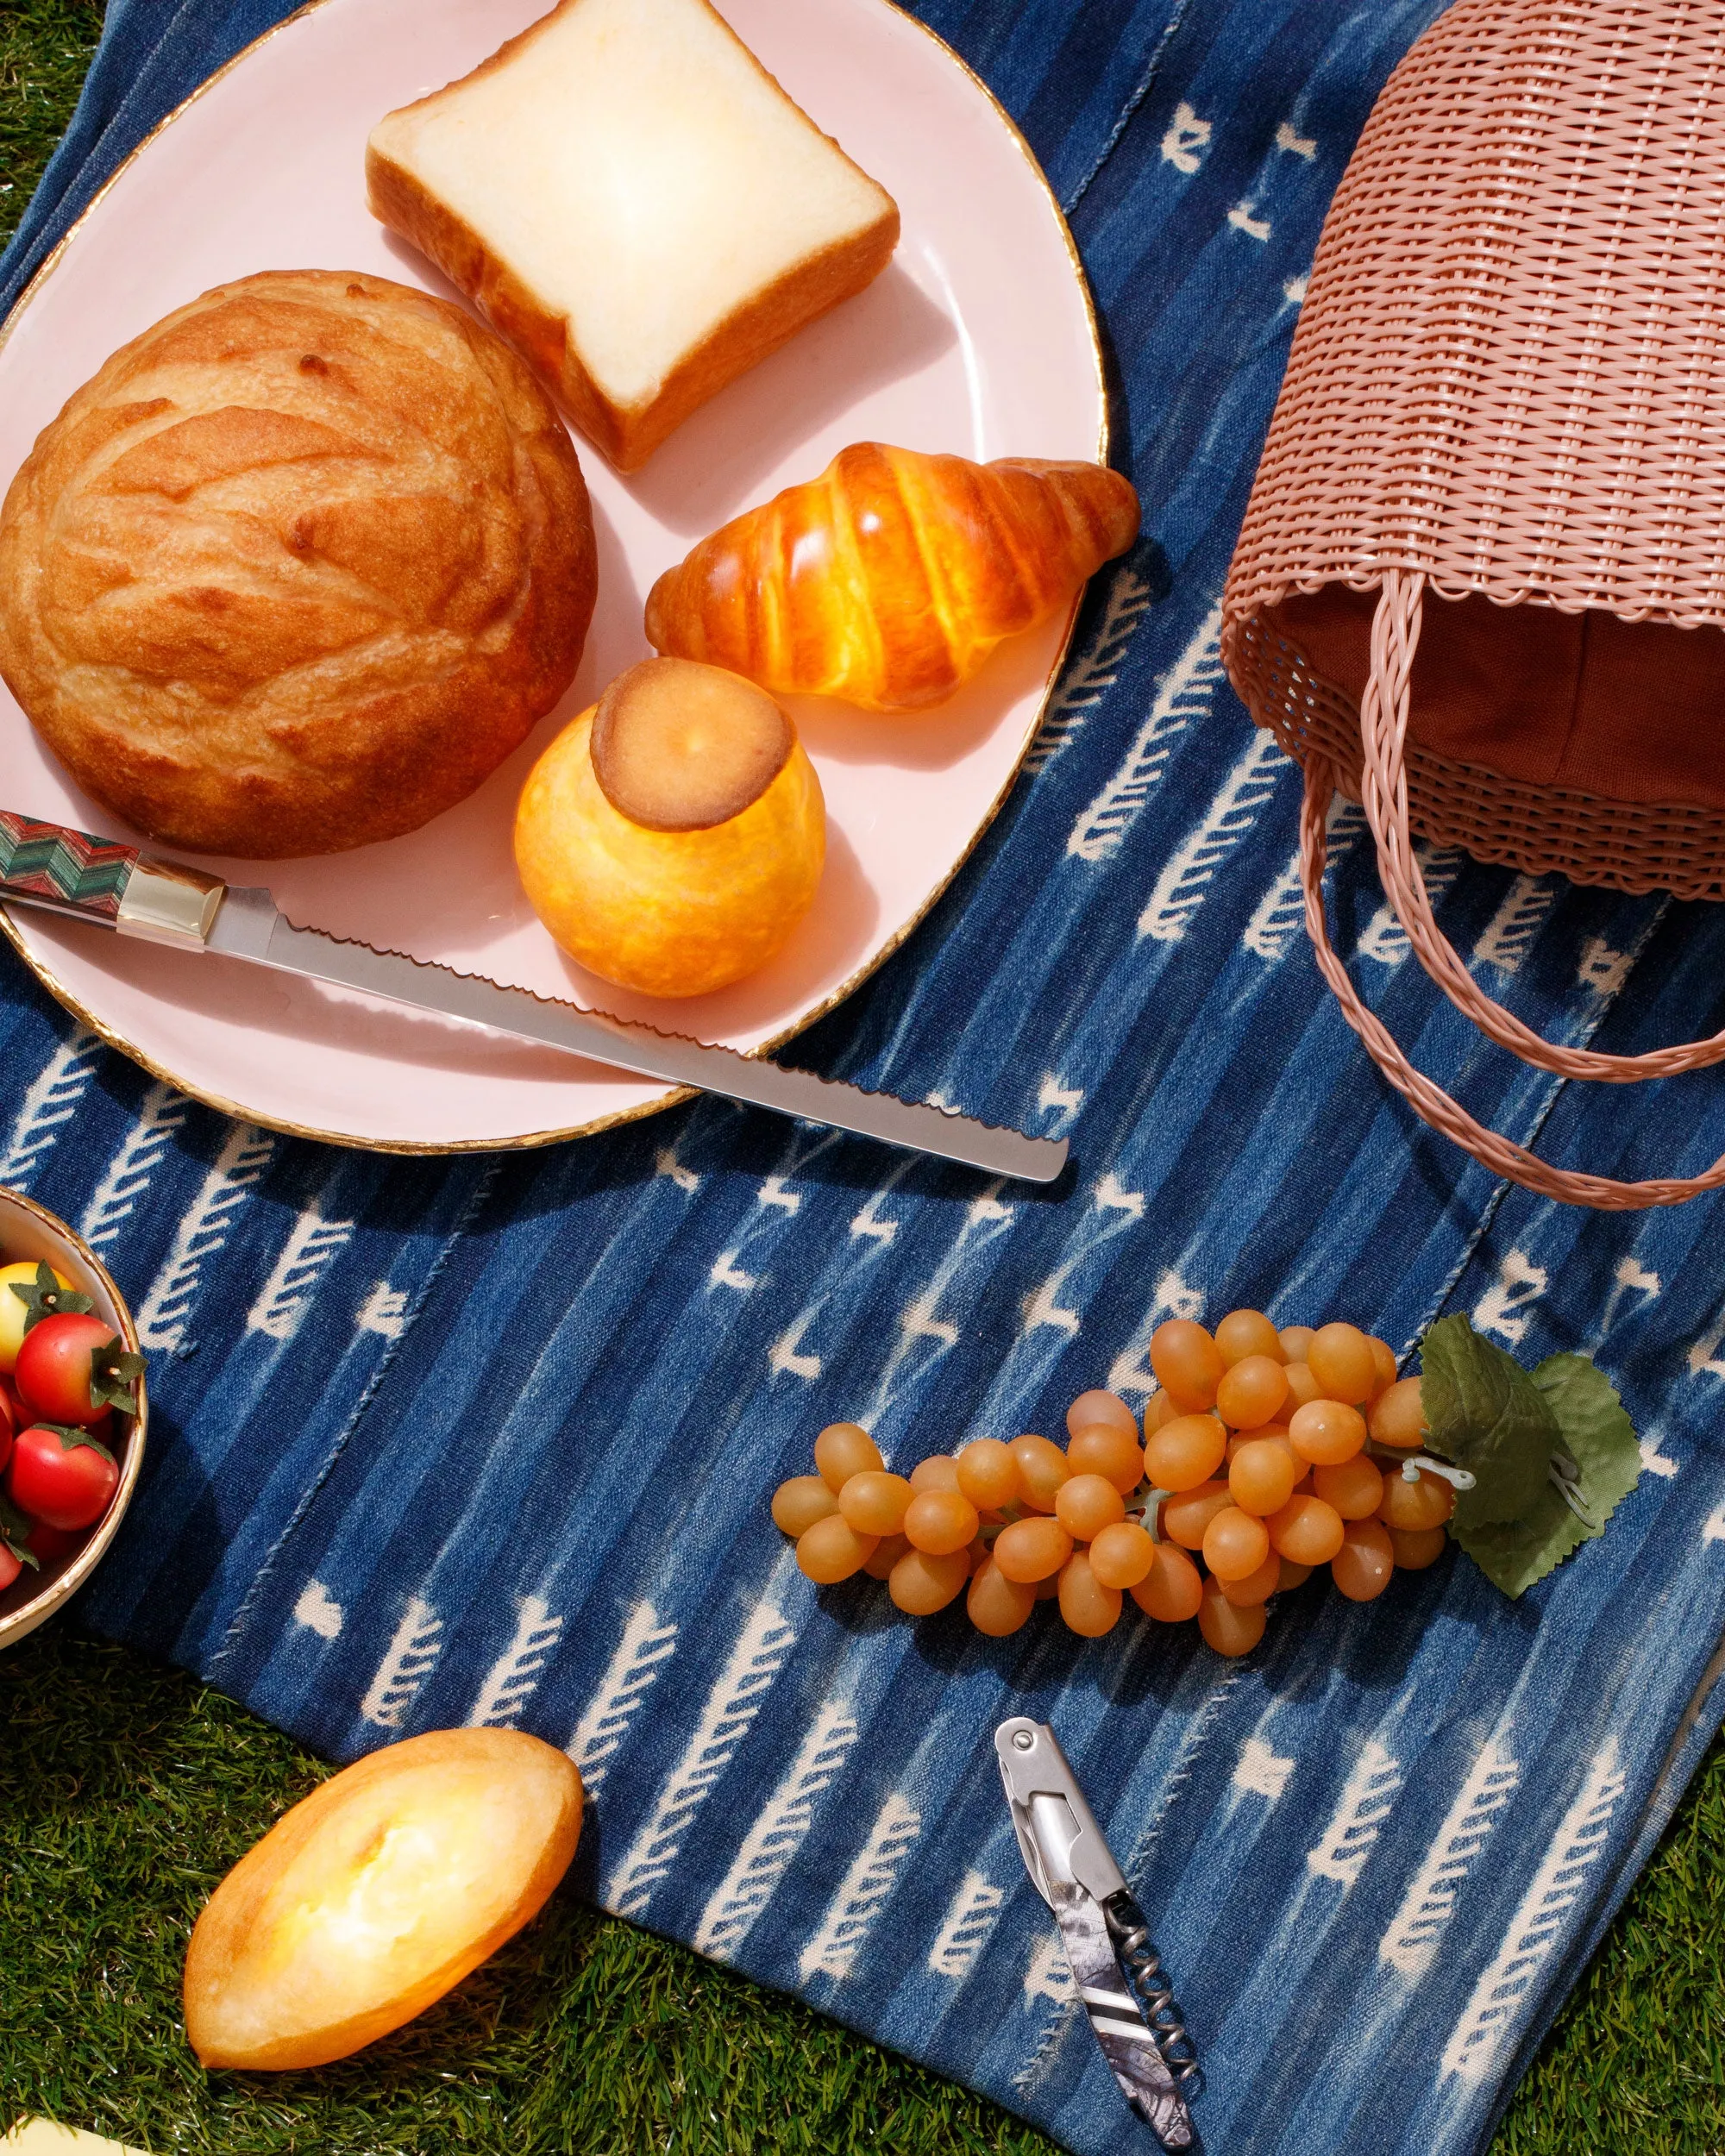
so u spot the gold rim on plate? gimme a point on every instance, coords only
(674, 1095)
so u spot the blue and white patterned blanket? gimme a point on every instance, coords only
(489, 1441)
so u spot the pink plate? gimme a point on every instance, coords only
(977, 339)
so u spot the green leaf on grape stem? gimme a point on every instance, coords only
(46, 1298)
(1594, 1436)
(1485, 1413)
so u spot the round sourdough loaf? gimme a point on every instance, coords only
(297, 569)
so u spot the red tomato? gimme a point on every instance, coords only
(9, 1424)
(61, 1477)
(57, 1366)
(11, 1566)
(49, 1545)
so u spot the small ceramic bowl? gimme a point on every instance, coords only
(27, 1231)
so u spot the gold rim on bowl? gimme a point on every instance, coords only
(15, 1623)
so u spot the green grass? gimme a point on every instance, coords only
(45, 46)
(126, 1791)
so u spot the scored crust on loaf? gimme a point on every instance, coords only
(298, 568)
(633, 199)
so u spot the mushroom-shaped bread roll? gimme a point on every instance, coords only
(672, 837)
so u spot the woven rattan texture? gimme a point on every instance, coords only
(1509, 380)
(1509, 371)
(1539, 830)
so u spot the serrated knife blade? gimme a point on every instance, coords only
(108, 884)
(249, 926)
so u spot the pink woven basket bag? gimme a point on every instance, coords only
(1481, 580)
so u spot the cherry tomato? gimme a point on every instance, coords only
(9, 1423)
(62, 1364)
(62, 1477)
(49, 1545)
(13, 1409)
(10, 1565)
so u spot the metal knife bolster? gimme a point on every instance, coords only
(98, 879)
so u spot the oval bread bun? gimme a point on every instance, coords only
(298, 568)
(376, 1895)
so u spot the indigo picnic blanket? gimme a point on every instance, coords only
(491, 1441)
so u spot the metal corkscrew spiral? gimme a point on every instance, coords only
(1130, 1936)
(1117, 1975)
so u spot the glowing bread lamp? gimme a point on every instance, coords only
(377, 1894)
(672, 838)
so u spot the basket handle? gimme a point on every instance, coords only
(1384, 792)
(1501, 1155)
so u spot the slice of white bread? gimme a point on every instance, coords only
(636, 204)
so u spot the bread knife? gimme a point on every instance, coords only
(99, 881)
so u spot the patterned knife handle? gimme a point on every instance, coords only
(98, 879)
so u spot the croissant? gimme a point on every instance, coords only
(889, 579)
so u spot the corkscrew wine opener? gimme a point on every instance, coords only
(1115, 1969)
(112, 887)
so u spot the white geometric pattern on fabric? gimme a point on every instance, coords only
(765, 1852)
(1085, 684)
(1539, 1922)
(1186, 693)
(49, 1103)
(1365, 1803)
(873, 1873)
(1184, 884)
(1412, 1938)
(285, 1296)
(633, 1668)
(969, 1922)
(760, 1650)
(513, 1677)
(1509, 935)
(1504, 1307)
(1280, 917)
(160, 1113)
(204, 1229)
(409, 1660)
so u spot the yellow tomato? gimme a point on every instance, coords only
(14, 1310)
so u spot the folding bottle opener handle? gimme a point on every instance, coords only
(1116, 1972)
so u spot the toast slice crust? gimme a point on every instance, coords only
(635, 203)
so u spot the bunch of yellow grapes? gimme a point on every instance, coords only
(1264, 1454)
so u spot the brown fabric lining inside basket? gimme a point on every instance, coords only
(1624, 710)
